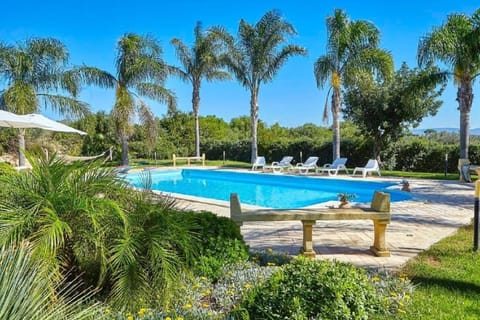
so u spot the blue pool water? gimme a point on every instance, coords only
(266, 190)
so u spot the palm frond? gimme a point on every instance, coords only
(217, 75)
(64, 105)
(20, 98)
(93, 76)
(278, 60)
(323, 68)
(158, 93)
(27, 293)
(183, 55)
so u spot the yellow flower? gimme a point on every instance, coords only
(205, 305)
(270, 264)
(375, 278)
(401, 311)
(247, 285)
(107, 311)
(269, 250)
(407, 297)
(204, 278)
(168, 318)
(178, 318)
(230, 292)
(141, 312)
(130, 318)
(187, 306)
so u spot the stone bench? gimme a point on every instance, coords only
(175, 158)
(379, 213)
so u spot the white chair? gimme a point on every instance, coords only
(333, 168)
(371, 166)
(280, 166)
(259, 163)
(304, 168)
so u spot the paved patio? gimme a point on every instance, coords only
(437, 210)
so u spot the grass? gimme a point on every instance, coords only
(447, 280)
(421, 175)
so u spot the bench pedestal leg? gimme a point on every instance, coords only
(307, 249)
(379, 247)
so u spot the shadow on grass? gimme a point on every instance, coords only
(448, 284)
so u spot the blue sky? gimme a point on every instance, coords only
(90, 30)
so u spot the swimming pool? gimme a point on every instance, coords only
(265, 190)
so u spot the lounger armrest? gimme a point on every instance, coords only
(327, 165)
(275, 163)
(299, 164)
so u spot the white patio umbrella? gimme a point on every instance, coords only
(11, 120)
(49, 124)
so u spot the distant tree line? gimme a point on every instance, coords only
(425, 153)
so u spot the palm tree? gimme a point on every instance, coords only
(83, 221)
(35, 71)
(256, 57)
(200, 61)
(140, 72)
(456, 43)
(351, 46)
(65, 211)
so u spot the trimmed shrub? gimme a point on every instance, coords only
(220, 244)
(309, 289)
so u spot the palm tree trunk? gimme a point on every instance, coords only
(21, 147)
(125, 160)
(336, 108)
(196, 107)
(464, 98)
(254, 124)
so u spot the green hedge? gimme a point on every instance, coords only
(412, 153)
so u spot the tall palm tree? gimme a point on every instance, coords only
(140, 72)
(35, 74)
(257, 55)
(351, 46)
(456, 44)
(200, 61)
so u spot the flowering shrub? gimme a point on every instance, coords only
(394, 291)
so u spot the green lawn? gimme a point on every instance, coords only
(447, 278)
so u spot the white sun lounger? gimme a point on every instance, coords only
(371, 166)
(333, 168)
(280, 166)
(304, 168)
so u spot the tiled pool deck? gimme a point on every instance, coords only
(436, 211)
